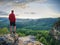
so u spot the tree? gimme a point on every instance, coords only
(43, 40)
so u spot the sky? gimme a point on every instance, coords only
(31, 9)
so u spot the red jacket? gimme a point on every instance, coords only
(12, 17)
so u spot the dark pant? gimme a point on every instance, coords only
(12, 24)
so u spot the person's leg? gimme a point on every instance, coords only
(15, 29)
(10, 29)
(14, 24)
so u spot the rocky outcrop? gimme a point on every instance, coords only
(55, 33)
(10, 40)
(29, 40)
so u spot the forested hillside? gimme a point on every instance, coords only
(34, 24)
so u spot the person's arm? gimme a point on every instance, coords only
(9, 17)
(14, 17)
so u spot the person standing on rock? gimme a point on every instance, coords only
(12, 20)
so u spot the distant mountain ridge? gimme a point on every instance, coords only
(34, 24)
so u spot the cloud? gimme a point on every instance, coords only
(3, 13)
(5, 0)
(29, 8)
(18, 3)
(29, 12)
(21, 1)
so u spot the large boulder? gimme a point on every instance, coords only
(55, 32)
(8, 39)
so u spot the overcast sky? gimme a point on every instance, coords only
(32, 9)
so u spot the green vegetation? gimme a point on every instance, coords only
(41, 35)
(3, 31)
(37, 27)
(34, 24)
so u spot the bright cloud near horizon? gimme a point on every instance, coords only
(31, 9)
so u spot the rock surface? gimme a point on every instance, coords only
(55, 34)
(10, 40)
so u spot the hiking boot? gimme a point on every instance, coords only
(14, 32)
